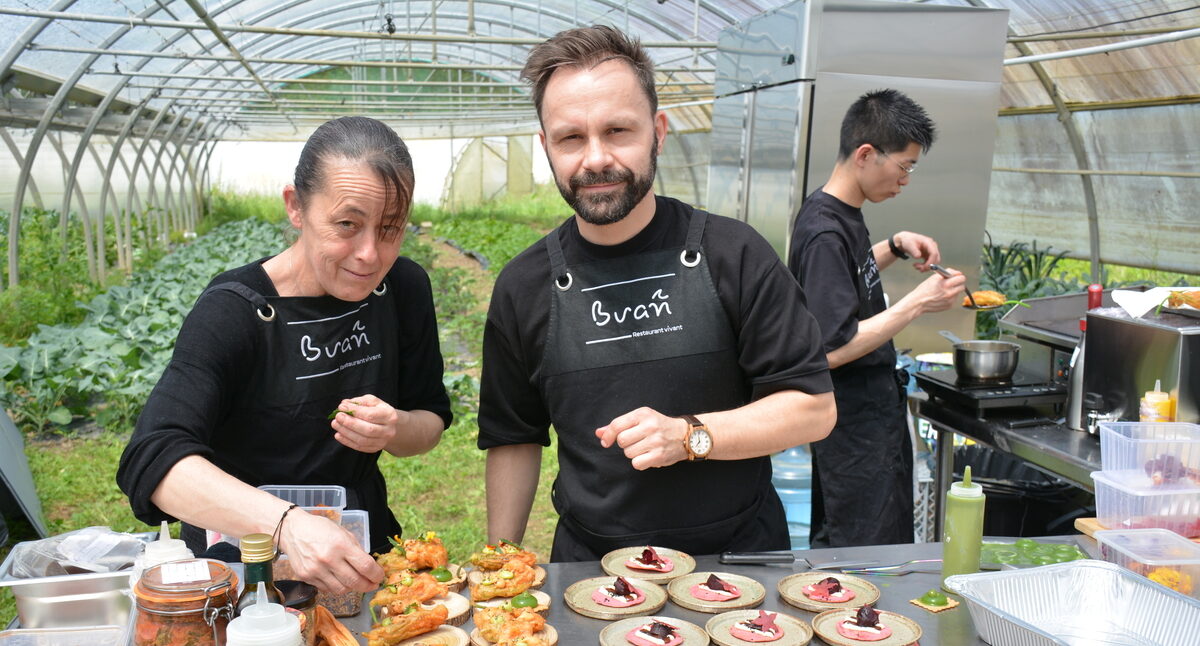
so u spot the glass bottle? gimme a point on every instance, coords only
(258, 557)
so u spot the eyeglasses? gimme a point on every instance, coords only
(908, 170)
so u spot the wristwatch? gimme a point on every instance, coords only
(896, 250)
(698, 442)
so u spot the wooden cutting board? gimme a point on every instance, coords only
(1090, 525)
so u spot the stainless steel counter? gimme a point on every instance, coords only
(948, 628)
(1051, 448)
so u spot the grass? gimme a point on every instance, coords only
(1081, 271)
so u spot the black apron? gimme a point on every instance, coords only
(863, 471)
(647, 330)
(312, 353)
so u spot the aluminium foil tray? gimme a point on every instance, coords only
(1076, 603)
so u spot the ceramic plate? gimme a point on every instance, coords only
(796, 632)
(791, 588)
(905, 631)
(614, 564)
(752, 591)
(614, 634)
(440, 636)
(548, 633)
(578, 597)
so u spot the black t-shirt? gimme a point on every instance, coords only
(202, 404)
(778, 343)
(832, 258)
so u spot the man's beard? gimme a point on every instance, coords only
(610, 207)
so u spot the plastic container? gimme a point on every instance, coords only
(83, 636)
(791, 472)
(1157, 554)
(357, 522)
(1156, 405)
(1129, 500)
(963, 534)
(324, 500)
(1130, 445)
(1080, 603)
(264, 624)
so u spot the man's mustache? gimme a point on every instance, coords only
(590, 178)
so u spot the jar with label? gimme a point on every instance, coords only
(184, 602)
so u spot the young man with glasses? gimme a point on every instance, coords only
(862, 472)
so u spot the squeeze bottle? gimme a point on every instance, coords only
(963, 528)
(264, 624)
(164, 549)
(1156, 405)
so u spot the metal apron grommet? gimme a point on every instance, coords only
(564, 286)
(269, 316)
(381, 290)
(683, 259)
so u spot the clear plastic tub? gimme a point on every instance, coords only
(1129, 500)
(325, 500)
(1131, 445)
(357, 522)
(1157, 554)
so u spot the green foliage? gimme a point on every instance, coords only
(226, 206)
(1080, 271)
(1019, 271)
(108, 363)
(50, 283)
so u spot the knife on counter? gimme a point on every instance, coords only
(764, 558)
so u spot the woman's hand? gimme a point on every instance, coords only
(367, 423)
(326, 555)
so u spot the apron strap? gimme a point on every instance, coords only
(558, 265)
(690, 257)
(261, 307)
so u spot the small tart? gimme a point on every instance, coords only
(829, 590)
(760, 629)
(655, 633)
(610, 596)
(650, 560)
(715, 589)
(853, 631)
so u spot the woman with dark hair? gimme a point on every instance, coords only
(336, 322)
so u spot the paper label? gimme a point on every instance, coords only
(92, 550)
(184, 572)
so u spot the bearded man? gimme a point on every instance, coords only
(669, 348)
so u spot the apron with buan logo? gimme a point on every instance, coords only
(647, 330)
(312, 353)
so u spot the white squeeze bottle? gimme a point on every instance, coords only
(164, 549)
(264, 624)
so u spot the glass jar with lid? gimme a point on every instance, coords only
(184, 602)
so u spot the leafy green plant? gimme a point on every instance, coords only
(1020, 271)
(117, 352)
(226, 206)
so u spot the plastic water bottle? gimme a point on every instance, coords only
(792, 477)
(264, 624)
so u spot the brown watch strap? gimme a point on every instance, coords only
(693, 423)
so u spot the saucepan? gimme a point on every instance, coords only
(983, 360)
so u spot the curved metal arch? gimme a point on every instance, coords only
(28, 36)
(169, 138)
(260, 44)
(85, 216)
(16, 153)
(188, 172)
(54, 106)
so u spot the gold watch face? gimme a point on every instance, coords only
(700, 442)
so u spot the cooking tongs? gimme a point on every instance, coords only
(971, 297)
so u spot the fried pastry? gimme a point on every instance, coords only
(394, 628)
(509, 581)
(985, 298)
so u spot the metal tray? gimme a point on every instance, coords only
(1076, 603)
(100, 599)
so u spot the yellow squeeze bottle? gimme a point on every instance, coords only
(1156, 405)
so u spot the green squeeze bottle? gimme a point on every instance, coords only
(963, 528)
